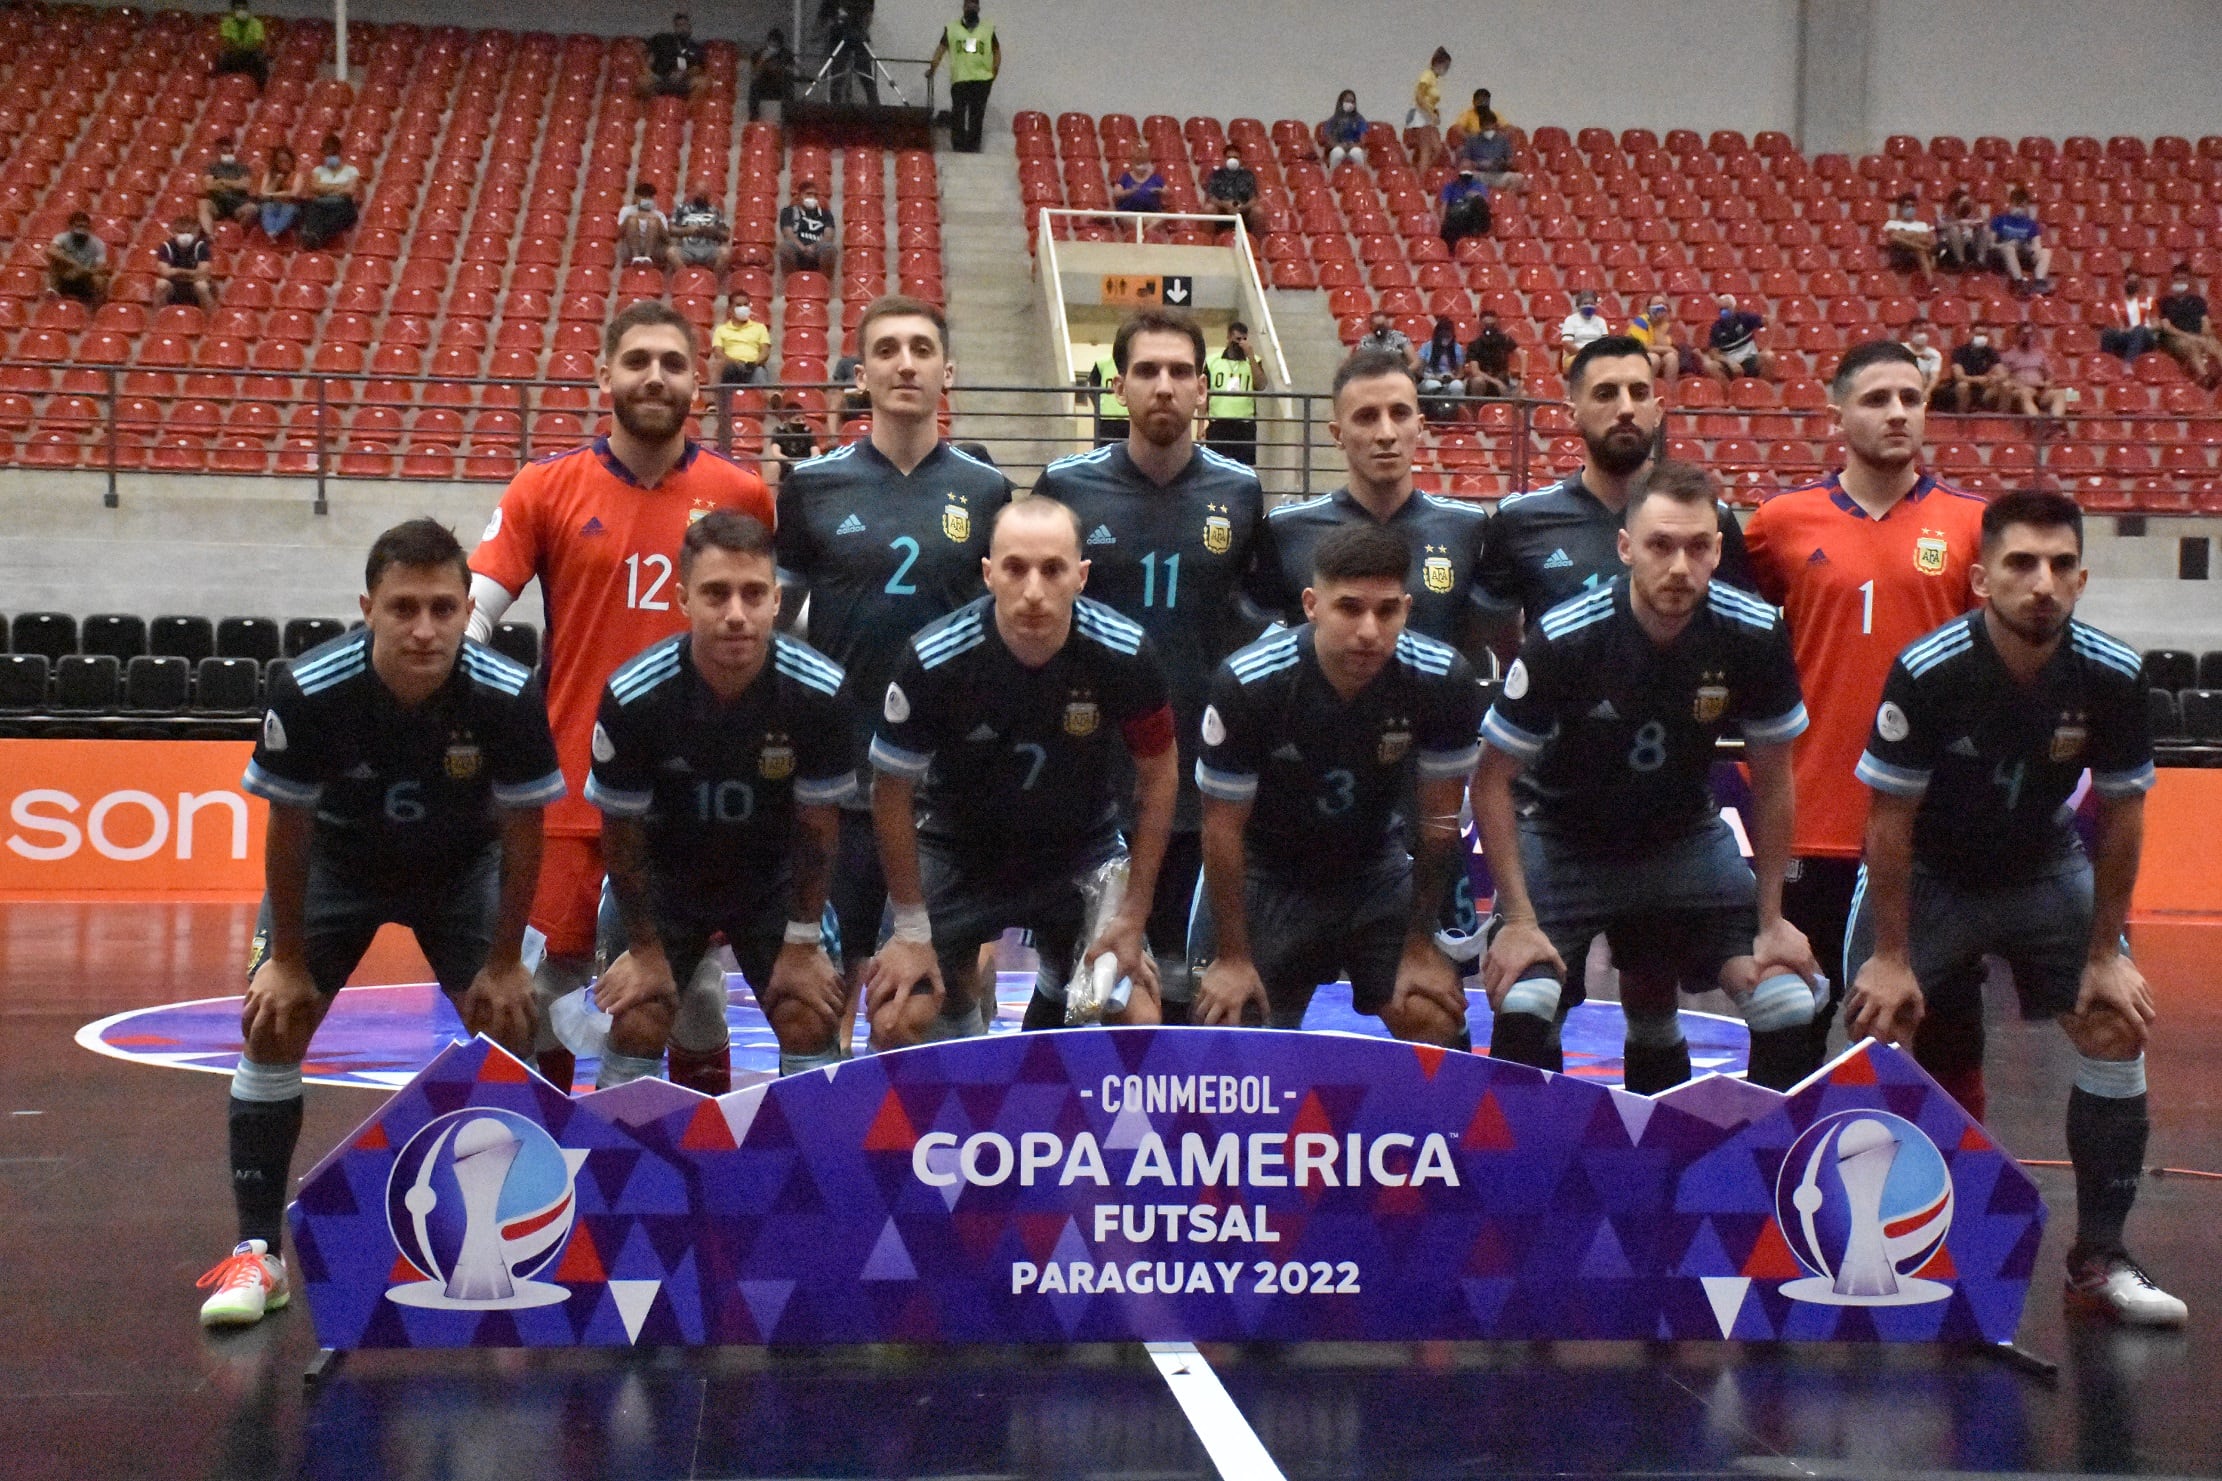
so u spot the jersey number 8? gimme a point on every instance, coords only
(1649, 751)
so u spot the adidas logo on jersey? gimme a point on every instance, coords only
(982, 732)
(1819, 557)
(1558, 560)
(593, 526)
(361, 772)
(1604, 711)
(1101, 535)
(1964, 746)
(1288, 752)
(851, 526)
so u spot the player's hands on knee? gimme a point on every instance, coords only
(806, 977)
(634, 981)
(281, 1011)
(899, 970)
(499, 1005)
(2115, 988)
(1424, 974)
(1782, 947)
(1226, 991)
(1516, 947)
(1122, 938)
(1885, 1002)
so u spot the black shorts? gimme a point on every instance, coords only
(2041, 928)
(1304, 933)
(974, 901)
(452, 914)
(226, 202)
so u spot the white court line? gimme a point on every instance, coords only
(1233, 1446)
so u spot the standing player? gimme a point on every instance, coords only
(1169, 531)
(1313, 740)
(1021, 705)
(1862, 563)
(406, 769)
(1985, 730)
(598, 526)
(883, 537)
(1617, 700)
(720, 760)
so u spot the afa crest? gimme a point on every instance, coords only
(1928, 555)
(2069, 738)
(956, 522)
(1396, 741)
(1082, 717)
(1218, 534)
(776, 762)
(462, 761)
(1711, 701)
(699, 510)
(1435, 571)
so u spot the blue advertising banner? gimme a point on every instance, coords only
(1164, 1185)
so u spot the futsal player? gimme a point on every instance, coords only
(1862, 563)
(1985, 730)
(406, 768)
(882, 537)
(598, 527)
(1608, 721)
(1170, 528)
(1312, 743)
(1001, 741)
(720, 761)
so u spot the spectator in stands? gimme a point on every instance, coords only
(1442, 371)
(2028, 388)
(1382, 334)
(975, 57)
(644, 232)
(1140, 186)
(1489, 150)
(1732, 345)
(741, 347)
(675, 63)
(1910, 244)
(1654, 330)
(224, 188)
(771, 73)
(182, 267)
(77, 261)
(243, 45)
(331, 207)
(2018, 241)
(794, 438)
(1580, 327)
(1921, 340)
(1465, 206)
(1492, 360)
(1468, 123)
(1343, 135)
(806, 235)
(278, 193)
(700, 235)
(1232, 190)
(2186, 331)
(1974, 379)
(2135, 316)
(855, 400)
(1424, 120)
(1963, 233)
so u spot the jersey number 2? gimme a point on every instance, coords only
(896, 585)
(644, 598)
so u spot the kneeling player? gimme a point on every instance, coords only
(405, 769)
(721, 758)
(1617, 700)
(1985, 728)
(1004, 722)
(1312, 739)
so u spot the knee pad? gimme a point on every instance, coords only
(1653, 1030)
(699, 1022)
(1780, 1002)
(1538, 997)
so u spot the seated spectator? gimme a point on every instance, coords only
(1922, 342)
(1963, 233)
(1382, 334)
(2187, 332)
(740, 347)
(278, 193)
(1140, 186)
(1732, 346)
(243, 45)
(1442, 371)
(2136, 317)
(1424, 119)
(700, 236)
(1492, 360)
(1910, 244)
(1489, 151)
(2028, 388)
(806, 235)
(330, 208)
(181, 267)
(1232, 190)
(224, 188)
(2018, 242)
(1343, 135)
(1974, 378)
(1469, 123)
(771, 73)
(643, 231)
(77, 261)
(1654, 330)
(1465, 207)
(793, 439)
(1580, 327)
(675, 63)
(855, 400)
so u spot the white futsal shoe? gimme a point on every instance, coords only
(249, 1282)
(2112, 1284)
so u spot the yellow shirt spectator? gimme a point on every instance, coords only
(743, 342)
(1427, 93)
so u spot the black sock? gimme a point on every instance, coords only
(263, 1135)
(1176, 1015)
(1651, 1068)
(1044, 1012)
(1521, 1038)
(2106, 1143)
(1780, 1057)
(1463, 1040)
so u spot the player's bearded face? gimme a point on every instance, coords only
(2032, 578)
(1883, 416)
(651, 382)
(1672, 549)
(1616, 414)
(1162, 386)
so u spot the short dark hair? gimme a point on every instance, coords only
(1361, 553)
(1367, 364)
(1156, 321)
(2045, 509)
(649, 311)
(1675, 481)
(1860, 356)
(724, 529)
(418, 543)
(1236, 326)
(1908, 198)
(1610, 347)
(1036, 504)
(889, 305)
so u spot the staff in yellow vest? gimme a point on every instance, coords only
(1111, 413)
(975, 56)
(1237, 375)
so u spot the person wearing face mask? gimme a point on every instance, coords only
(1732, 346)
(2028, 388)
(1465, 203)
(333, 187)
(644, 232)
(1928, 358)
(1492, 361)
(1973, 380)
(1468, 123)
(740, 347)
(1442, 372)
(181, 265)
(1910, 244)
(77, 262)
(1654, 330)
(2186, 331)
(224, 194)
(1963, 233)
(677, 63)
(244, 45)
(975, 57)
(1140, 186)
(2018, 241)
(1343, 134)
(699, 234)
(1488, 152)
(771, 73)
(806, 237)
(1232, 190)
(1583, 327)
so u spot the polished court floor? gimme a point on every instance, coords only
(113, 1198)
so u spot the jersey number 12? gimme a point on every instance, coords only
(645, 598)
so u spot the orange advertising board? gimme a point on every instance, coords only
(2180, 872)
(145, 819)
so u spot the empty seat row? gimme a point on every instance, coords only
(2185, 715)
(144, 685)
(124, 637)
(2174, 669)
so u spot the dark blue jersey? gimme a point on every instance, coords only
(1558, 542)
(1445, 536)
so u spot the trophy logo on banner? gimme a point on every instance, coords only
(1864, 1198)
(480, 1201)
